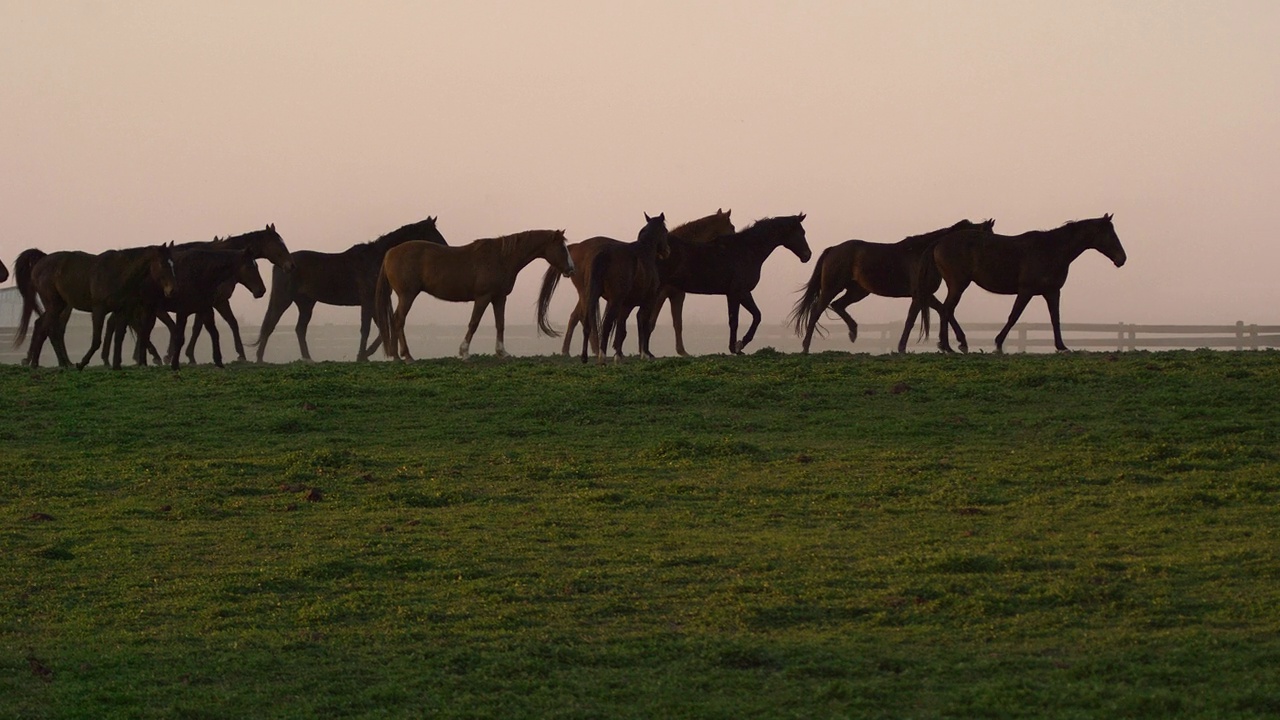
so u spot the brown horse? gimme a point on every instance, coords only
(64, 281)
(260, 244)
(201, 275)
(628, 274)
(1026, 265)
(730, 266)
(346, 278)
(858, 268)
(4, 272)
(483, 271)
(695, 231)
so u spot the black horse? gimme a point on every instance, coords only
(1026, 265)
(626, 273)
(260, 244)
(859, 268)
(345, 278)
(730, 265)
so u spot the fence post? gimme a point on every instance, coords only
(1253, 336)
(1239, 335)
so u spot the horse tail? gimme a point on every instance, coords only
(926, 280)
(807, 306)
(595, 290)
(382, 313)
(549, 283)
(22, 267)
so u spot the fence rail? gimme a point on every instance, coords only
(337, 342)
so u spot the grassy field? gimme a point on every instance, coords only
(1085, 535)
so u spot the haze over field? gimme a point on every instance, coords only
(141, 122)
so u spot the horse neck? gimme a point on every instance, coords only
(523, 249)
(1076, 239)
(697, 230)
(760, 242)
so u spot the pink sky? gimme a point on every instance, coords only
(139, 122)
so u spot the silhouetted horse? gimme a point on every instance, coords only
(483, 271)
(858, 268)
(1026, 265)
(695, 231)
(260, 244)
(72, 280)
(4, 272)
(730, 266)
(201, 274)
(628, 274)
(346, 278)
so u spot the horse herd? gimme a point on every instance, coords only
(136, 287)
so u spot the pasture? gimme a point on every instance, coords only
(834, 535)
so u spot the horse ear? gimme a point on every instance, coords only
(801, 216)
(1107, 217)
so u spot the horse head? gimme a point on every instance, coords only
(247, 275)
(271, 246)
(161, 268)
(795, 240)
(655, 233)
(556, 252)
(1105, 240)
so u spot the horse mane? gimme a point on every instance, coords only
(510, 244)
(697, 224)
(769, 224)
(412, 231)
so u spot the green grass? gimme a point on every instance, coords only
(1087, 535)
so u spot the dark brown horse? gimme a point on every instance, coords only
(628, 274)
(4, 272)
(695, 231)
(1026, 265)
(64, 281)
(858, 268)
(730, 266)
(483, 272)
(260, 244)
(201, 276)
(345, 278)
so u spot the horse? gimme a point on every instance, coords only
(628, 274)
(1026, 265)
(346, 278)
(4, 272)
(260, 244)
(483, 271)
(859, 268)
(730, 265)
(202, 275)
(71, 280)
(694, 231)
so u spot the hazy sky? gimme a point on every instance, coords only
(129, 123)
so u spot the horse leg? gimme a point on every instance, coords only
(99, 317)
(499, 322)
(176, 340)
(575, 318)
(749, 303)
(1019, 304)
(276, 306)
(116, 328)
(403, 303)
(477, 312)
(1051, 299)
(906, 330)
(366, 319)
(645, 322)
(196, 326)
(733, 324)
(165, 320)
(947, 314)
(224, 309)
(944, 320)
(58, 337)
(113, 326)
(620, 325)
(304, 318)
(208, 320)
(677, 320)
(851, 296)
